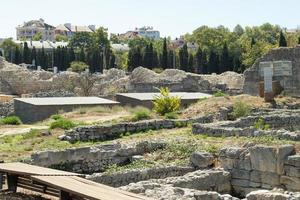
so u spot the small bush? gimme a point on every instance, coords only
(77, 66)
(164, 103)
(12, 120)
(141, 113)
(56, 117)
(63, 124)
(219, 94)
(240, 109)
(158, 70)
(260, 124)
(171, 115)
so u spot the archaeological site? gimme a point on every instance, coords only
(152, 135)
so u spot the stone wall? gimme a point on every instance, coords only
(260, 167)
(109, 132)
(93, 159)
(6, 109)
(205, 180)
(124, 178)
(291, 84)
(287, 121)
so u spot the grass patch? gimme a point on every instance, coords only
(62, 123)
(56, 117)
(11, 120)
(171, 115)
(141, 113)
(240, 109)
(260, 124)
(141, 164)
(220, 94)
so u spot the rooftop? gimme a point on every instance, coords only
(66, 101)
(151, 96)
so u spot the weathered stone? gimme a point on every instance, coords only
(271, 195)
(291, 183)
(293, 160)
(202, 159)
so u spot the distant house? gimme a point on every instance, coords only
(179, 42)
(120, 47)
(146, 32)
(47, 45)
(29, 29)
(68, 29)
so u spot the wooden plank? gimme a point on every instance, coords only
(28, 170)
(86, 189)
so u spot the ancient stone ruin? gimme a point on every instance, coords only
(285, 66)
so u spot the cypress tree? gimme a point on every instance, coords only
(164, 58)
(183, 58)
(170, 59)
(253, 42)
(71, 55)
(298, 40)
(204, 63)
(18, 57)
(112, 61)
(82, 55)
(155, 60)
(26, 54)
(282, 40)
(213, 63)
(33, 55)
(191, 63)
(146, 57)
(225, 60)
(199, 61)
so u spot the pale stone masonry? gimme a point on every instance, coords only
(286, 66)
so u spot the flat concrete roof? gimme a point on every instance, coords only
(151, 96)
(49, 101)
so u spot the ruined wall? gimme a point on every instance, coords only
(112, 131)
(290, 83)
(92, 159)
(260, 167)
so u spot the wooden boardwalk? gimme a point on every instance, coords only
(65, 185)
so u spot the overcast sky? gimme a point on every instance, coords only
(170, 17)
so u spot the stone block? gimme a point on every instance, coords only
(269, 178)
(202, 159)
(240, 174)
(291, 183)
(292, 171)
(270, 159)
(293, 160)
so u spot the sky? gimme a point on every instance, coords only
(171, 17)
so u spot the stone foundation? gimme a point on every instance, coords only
(261, 167)
(93, 159)
(109, 132)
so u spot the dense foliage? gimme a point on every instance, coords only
(215, 50)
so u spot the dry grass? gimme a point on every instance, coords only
(213, 104)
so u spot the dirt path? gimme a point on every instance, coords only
(22, 129)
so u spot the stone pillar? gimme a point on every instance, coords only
(39, 68)
(268, 79)
(55, 70)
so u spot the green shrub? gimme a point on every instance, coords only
(164, 103)
(260, 124)
(11, 120)
(56, 117)
(240, 109)
(141, 113)
(77, 66)
(219, 94)
(158, 70)
(171, 115)
(63, 124)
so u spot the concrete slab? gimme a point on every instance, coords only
(36, 109)
(145, 99)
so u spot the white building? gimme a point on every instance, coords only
(29, 29)
(148, 32)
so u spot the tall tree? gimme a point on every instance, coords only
(26, 54)
(225, 64)
(164, 59)
(199, 61)
(18, 56)
(282, 40)
(183, 58)
(191, 63)
(213, 63)
(33, 55)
